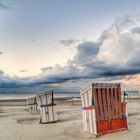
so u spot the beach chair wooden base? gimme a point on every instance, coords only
(104, 133)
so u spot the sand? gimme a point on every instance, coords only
(17, 124)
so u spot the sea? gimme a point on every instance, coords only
(25, 95)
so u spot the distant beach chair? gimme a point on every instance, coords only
(103, 109)
(132, 95)
(32, 105)
(48, 113)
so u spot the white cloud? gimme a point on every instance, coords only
(116, 48)
(116, 53)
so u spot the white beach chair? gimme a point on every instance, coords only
(48, 112)
(32, 105)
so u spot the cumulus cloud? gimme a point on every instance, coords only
(116, 53)
(86, 52)
(113, 56)
(115, 48)
(127, 22)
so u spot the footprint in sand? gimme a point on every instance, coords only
(28, 120)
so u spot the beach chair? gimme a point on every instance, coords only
(48, 113)
(102, 108)
(32, 105)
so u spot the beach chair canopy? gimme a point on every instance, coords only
(31, 101)
(45, 98)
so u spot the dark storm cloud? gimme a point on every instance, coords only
(113, 56)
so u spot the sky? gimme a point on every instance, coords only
(68, 43)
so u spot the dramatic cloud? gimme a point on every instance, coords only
(86, 52)
(113, 56)
(116, 53)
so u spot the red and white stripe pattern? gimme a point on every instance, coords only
(88, 111)
(101, 105)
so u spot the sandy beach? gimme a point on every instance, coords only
(17, 124)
